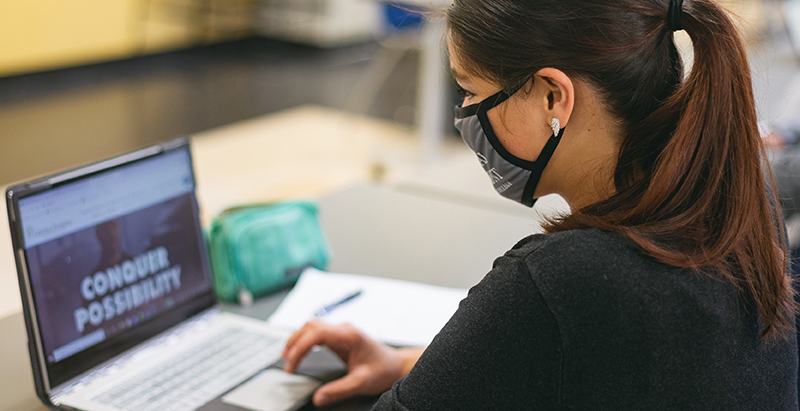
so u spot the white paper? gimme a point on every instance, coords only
(392, 311)
(272, 390)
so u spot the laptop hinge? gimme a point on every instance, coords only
(112, 365)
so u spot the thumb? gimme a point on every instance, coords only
(338, 390)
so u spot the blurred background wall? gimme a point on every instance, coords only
(37, 35)
(81, 80)
(85, 79)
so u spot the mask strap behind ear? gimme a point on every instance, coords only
(488, 103)
(538, 168)
(500, 97)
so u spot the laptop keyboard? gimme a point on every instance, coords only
(197, 376)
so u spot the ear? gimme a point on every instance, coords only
(558, 93)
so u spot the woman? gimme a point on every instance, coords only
(666, 287)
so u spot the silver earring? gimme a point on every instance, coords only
(555, 125)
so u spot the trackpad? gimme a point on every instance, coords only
(272, 390)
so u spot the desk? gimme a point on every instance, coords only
(373, 230)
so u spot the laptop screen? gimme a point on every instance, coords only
(113, 251)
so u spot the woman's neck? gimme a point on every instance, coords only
(584, 173)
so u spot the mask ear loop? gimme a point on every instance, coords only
(541, 163)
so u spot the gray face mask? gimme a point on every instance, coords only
(512, 177)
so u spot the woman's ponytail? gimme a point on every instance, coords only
(706, 201)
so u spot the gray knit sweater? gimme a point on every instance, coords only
(581, 321)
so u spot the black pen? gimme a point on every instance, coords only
(327, 309)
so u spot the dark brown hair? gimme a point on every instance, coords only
(690, 187)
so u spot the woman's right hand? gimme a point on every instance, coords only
(372, 367)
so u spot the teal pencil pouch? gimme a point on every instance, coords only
(257, 249)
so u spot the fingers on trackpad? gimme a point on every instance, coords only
(320, 363)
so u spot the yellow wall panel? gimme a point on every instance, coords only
(167, 25)
(42, 34)
(39, 35)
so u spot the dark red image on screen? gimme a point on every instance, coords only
(94, 283)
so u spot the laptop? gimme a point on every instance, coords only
(117, 292)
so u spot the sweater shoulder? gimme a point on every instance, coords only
(575, 248)
(593, 262)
